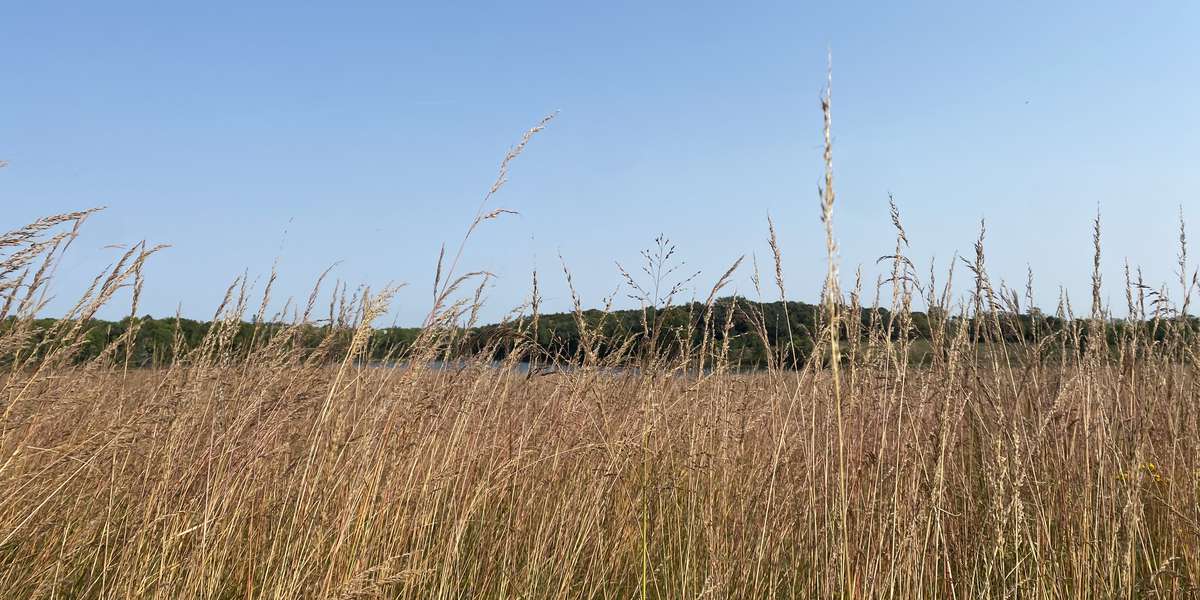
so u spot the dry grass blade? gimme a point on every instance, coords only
(969, 450)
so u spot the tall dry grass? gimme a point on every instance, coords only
(1065, 465)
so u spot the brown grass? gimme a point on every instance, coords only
(1013, 472)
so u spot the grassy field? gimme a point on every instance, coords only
(281, 470)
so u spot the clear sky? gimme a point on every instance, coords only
(367, 133)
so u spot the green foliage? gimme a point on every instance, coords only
(157, 341)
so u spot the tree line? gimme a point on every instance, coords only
(754, 334)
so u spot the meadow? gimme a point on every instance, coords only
(1063, 462)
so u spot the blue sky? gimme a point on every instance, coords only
(367, 133)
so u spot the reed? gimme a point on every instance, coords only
(1060, 463)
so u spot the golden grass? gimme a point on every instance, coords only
(275, 473)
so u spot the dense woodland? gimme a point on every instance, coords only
(756, 333)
